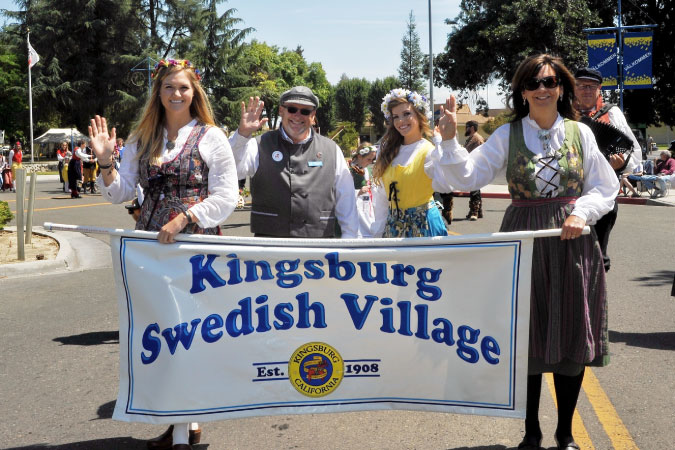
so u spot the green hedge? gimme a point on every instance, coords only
(5, 214)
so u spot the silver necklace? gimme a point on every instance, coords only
(170, 145)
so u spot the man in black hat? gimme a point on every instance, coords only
(300, 183)
(589, 102)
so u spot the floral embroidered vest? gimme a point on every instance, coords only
(174, 186)
(521, 169)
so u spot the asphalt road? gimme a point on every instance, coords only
(59, 357)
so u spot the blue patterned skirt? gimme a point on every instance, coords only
(419, 221)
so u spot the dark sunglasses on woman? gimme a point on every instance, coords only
(303, 111)
(549, 83)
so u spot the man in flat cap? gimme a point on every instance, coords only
(589, 102)
(300, 183)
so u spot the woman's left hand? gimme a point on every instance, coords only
(572, 227)
(447, 124)
(171, 229)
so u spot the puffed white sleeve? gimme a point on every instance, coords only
(601, 184)
(123, 187)
(380, 209)
(216, 153)
(450, 166)
(345, 200)
(245, 151)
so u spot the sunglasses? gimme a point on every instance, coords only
(549, 83)
(303, 111)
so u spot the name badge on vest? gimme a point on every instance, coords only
(277, 156)
(315, 163)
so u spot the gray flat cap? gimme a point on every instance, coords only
(302, 95)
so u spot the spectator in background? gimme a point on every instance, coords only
(75, 170)
(589, 102)
(61, 156)
(473, 140)
(15, 159)
(361, 169)
(119, 146)
(88, 168)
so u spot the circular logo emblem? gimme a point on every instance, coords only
(315, 369)
(277, 156)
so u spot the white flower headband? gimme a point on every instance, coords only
(419, 101)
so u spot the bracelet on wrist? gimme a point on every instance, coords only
(188, 216)
(102, 167)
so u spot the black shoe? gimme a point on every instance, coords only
(566, 443)
(531, 442)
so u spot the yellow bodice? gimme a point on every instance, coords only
(413, 185)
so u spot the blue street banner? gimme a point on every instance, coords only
(602, 56)
(637, 60)
(214, 328)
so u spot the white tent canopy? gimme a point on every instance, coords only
(46, 144)
(57, 135)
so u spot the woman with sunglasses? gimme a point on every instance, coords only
(361, 169)
(186, 168)
(557, 178)
(406, 172)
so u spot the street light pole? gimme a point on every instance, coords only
(431, 68)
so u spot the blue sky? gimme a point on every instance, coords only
(356, 38)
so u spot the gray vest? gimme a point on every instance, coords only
(293, 189)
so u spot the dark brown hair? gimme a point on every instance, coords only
(529, 69)
(392, 139)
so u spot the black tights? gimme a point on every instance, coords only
(566, 394)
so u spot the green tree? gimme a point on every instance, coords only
(317, 81)
(411, 70)
(497, 122)
(13, 96)
(378, 89)
(218, 45)
(492, 37)
(347, 137)
(266, 71)
(87, 73)
(351, 96)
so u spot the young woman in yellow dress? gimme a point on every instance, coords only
(407, 171)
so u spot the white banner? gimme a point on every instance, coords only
(236, 327)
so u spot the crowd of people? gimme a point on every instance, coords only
(302, 187)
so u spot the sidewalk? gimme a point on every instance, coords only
(501, 191)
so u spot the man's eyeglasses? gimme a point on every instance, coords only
(587, 87)
(303, 111)
(549, 83)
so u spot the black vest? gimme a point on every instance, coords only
(293, 189)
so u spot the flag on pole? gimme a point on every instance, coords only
(33, 57)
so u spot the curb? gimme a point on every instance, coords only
(77, 252)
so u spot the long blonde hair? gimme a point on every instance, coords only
(392, 139)
(148, 132)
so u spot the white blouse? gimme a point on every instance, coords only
(433, 168)
(471, 171)
(215, 151)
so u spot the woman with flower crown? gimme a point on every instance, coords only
(361, 169)
(185, 165)
(557, 178)
(407, 172)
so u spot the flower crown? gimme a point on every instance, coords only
(366, 150)
(419, 101)
(184, 63)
